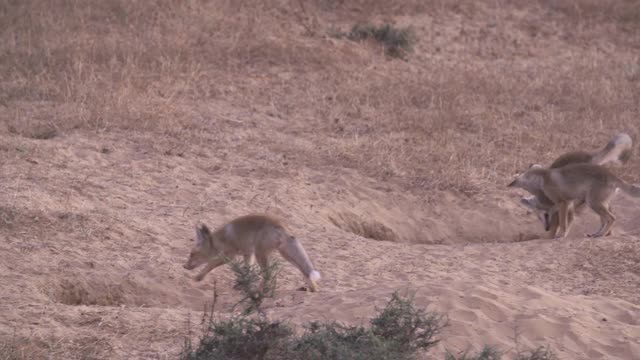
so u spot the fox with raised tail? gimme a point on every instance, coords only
(250, 236)
(587, 183)
(617, 151)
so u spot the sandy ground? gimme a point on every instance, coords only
(92, 255)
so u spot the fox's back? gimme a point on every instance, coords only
(254, 231)
(585, 171)
(574, 157)
(580, 178)
(255, 222)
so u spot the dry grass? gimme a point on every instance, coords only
(36, 347)
(450, 118)
(14, 348)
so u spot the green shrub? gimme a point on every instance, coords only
(337, 341)
(487, 353)
(400, 331)
(396, 42)
(241, 338)
(541, 353)
(407, 328)
(490, 353)
(253, 290)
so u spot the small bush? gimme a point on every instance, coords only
(241, 338)
(408, 328)
(541, 353)
(337, 341)
(487, 353)
(398, 332)
(490, 353)
(396, 41)
(254, 291)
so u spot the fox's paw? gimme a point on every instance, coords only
(199, 277)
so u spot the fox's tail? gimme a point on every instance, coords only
(633, 190)
(293, 251)
(617, 151)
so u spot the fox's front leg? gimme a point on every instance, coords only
(210, 266)
(569, 217)
(563, 208)
(554, 222)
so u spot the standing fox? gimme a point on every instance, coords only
(249, 235)
(617, 151)
(593, 184)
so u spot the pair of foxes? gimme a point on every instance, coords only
(558, 192)
(573, 180)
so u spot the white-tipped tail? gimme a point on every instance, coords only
(617, 151)
(314, 276)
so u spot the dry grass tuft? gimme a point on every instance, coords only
(17, 348)
(396, 42)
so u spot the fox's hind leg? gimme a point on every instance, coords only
(598, 201)
(294, 253)
(606, 219)
(610, 230)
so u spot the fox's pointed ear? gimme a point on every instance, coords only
(199, 239)
(529, 202)
(202, 232)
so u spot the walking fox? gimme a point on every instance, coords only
(249, 236)
(617, 151)
(593, 184)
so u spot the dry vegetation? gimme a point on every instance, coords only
(493, 86)
(264, 88)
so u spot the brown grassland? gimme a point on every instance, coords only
(124, 122)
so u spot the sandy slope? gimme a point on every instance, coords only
(95, 228)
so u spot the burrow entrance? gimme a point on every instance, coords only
(106, 290)
(368, 228)
(449, 221)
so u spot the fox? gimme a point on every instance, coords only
(252, 236)
(617, 151)
(581, 183)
